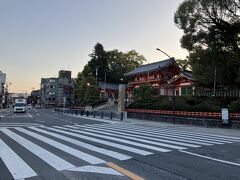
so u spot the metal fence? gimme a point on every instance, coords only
(97, 114)
(232, 94)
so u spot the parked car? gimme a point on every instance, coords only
(38, 107)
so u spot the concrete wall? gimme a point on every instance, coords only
(207, 122)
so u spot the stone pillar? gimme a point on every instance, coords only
(121, 98)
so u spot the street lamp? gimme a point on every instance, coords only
(173, 96)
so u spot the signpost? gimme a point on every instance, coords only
(225, 116)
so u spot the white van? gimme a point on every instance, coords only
(20, 105)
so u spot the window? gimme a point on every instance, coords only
(186, 90)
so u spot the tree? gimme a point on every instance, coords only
(209, 23)
(203, 64)
(114, 63)
(120, 63)
(91, 95)
(82, 87)
(144, 92)
(98, 61)
(184, 64)
(211, 35)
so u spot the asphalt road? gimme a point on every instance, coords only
(45, 145)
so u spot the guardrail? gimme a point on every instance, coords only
(215, 115)
(232, 94)
(98, 114)
(208, 119)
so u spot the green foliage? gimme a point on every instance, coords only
(211, 35)
(91, 95)
(182, 103)
(144, 92)
(82, 87)
(235, 106)
(98, 61)
(184, 64)
(203, 64)
(209, 23)
(120, 63)
(114, 63)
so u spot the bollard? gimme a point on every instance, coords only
(121, 116)
(94, 115)
(111, 114)
(76, 112)
(102, 115)
(87, 113)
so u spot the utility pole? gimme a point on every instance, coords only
(105, 79)
(96, 76)
(214, 85)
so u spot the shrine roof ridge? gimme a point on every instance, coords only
(150, 67)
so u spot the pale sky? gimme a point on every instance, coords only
(40, 37)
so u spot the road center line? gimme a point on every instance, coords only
(96, 169)
(124, 171)
(210, 158)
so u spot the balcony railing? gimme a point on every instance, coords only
(145, 81)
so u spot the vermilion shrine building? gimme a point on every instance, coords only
(161, 75)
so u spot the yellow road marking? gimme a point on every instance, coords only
(124, 171)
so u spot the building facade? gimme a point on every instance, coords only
(57, 91)
(108, 90)
(33, 99)
(166, 78)
(2, 89)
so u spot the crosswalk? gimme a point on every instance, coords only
(14, 124)
(87, 148)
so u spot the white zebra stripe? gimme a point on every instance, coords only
(16, 166)
(136, 139)
(164, 136)
(53, 160)
(180, 131)
(192, 135)
(139, 135)
(106, 152)
(96, 169)
(119, 146)
(79, 154)
(176, 135)
(119, 140)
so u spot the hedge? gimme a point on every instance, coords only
(187, 103)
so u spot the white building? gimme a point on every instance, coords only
(2, 82)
